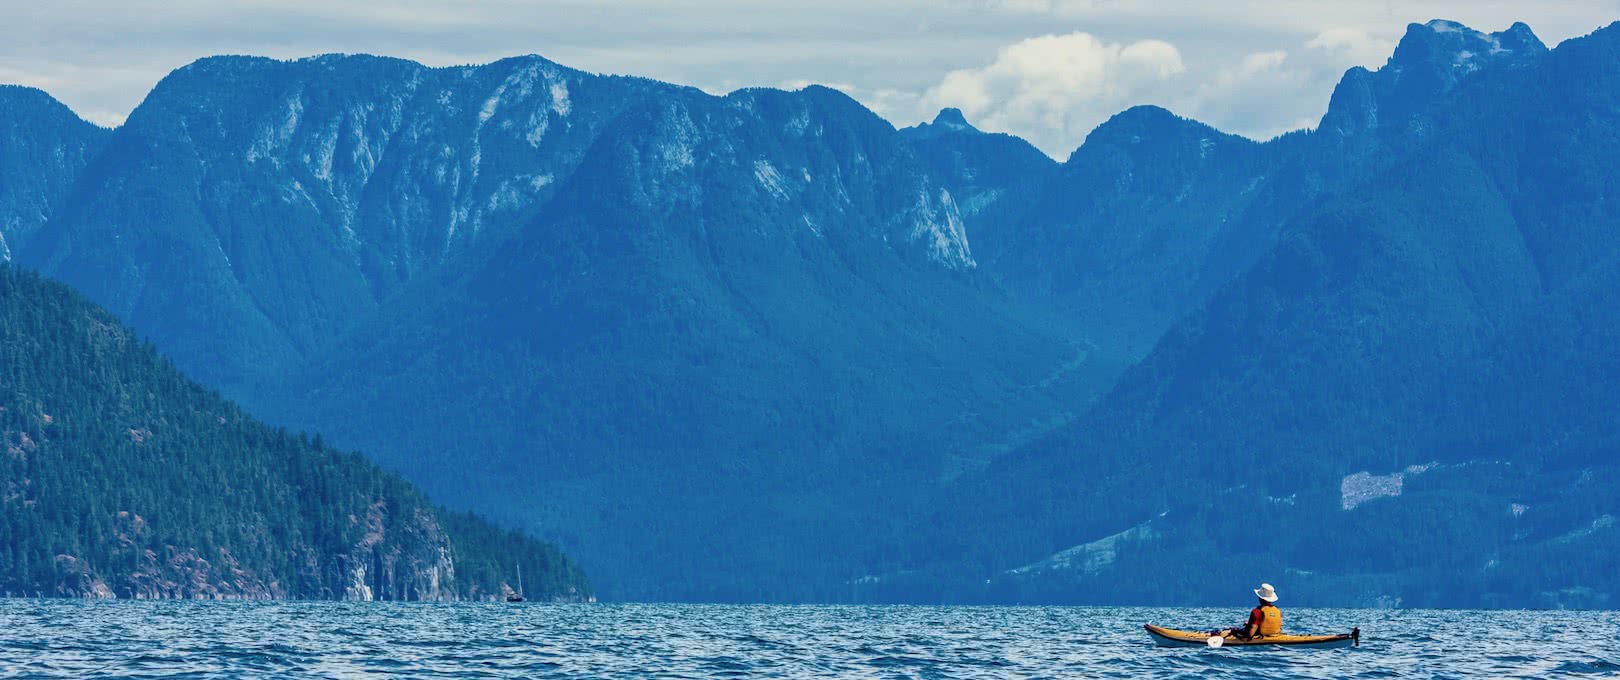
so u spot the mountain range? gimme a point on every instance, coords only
(766, 347)
(1397, 401)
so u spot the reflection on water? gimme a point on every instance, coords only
(236, 639)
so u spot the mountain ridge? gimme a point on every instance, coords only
(770, 328)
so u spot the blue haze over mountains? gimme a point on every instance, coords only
(766, 347)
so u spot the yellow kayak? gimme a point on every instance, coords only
(1168, 637)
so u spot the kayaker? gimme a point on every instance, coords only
(1265, 619)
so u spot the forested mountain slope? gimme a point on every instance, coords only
(121, 478)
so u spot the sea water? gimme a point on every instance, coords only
(45, 638)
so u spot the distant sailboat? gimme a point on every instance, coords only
(517, 596)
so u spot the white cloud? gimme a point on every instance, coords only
(1261, 62)
(1244, 81)
(1053, 88)
(1354, 44)
(1242, 96)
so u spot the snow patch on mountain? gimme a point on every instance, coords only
(363, 156)
(295, 113)
(560, 103)
(798, 124)
(520, 82)
(491, 105)
(538, 122)
(769, 178)
(1464, 62)
(1443, 26)
(504, 196)
(674, 148)
(275, 138)
(515, 192)
(326, 149)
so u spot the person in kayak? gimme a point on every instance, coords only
(1265, 619)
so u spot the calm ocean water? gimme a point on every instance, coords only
(234, 639)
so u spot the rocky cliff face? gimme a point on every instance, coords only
(293, 197)
(411, 562)
(405, 557)
(992, 178)
(406, 560)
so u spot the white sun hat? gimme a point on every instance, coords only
(1266, 592)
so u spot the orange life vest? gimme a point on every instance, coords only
(1270, 620)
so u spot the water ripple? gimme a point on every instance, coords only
(321, 640)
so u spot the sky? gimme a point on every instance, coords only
(1046, 70)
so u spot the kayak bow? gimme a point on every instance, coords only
(1169, 637)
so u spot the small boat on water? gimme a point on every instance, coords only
(517, 596)
(1169, 637)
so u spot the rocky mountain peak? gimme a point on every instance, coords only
(952, 118)
(1449, 47)
(1430, 61)
(949, 120)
